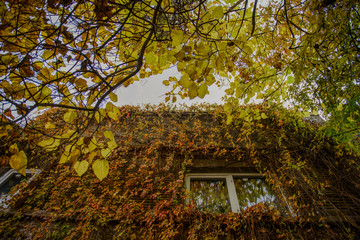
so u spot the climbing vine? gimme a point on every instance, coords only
(143, 194)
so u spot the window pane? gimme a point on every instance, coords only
(251, 191)
(13, 180)
(210, 195)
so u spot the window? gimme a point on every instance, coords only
(222, 193)
(10, 179)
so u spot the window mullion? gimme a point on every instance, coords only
(232, 194)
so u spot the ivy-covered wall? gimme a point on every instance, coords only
(143, 197)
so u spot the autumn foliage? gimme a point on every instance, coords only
(143, 195)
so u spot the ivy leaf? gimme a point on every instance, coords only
(101, 168)
(49, 125)
(81, 167)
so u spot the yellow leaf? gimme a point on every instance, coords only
(81, 167)
(48, 54)
(113, 97)
(109, 135)
(49, 125)
(247, 49)
(50, 144)
(101, 168)
(112, 145)
(44, 75)
(99, 115)
(218, 12)
(184, 81)
(105, 152)
(70, 116)
(92, 144)
(37, 66)
(91, 156)
(177, 37)
(69, 133)
(150, 58)
(65, 157)
(203, 89)
(14, 149)
(193, 91)
(19, 162)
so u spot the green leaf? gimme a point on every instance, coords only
(340, 107)
(81, 167)
(101, 168)
(290, 79)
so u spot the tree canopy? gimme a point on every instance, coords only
(75, 54)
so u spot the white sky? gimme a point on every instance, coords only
(152, 91)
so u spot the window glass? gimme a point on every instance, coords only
(251, 191)
(13, 180)
(10, 179)
(210, 195)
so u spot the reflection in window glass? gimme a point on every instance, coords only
(210, 195)
(12, 181)
(251, 191)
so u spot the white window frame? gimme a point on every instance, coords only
(229, 177)
(7, 176)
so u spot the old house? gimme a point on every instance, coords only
(191, 175)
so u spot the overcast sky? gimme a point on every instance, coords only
(151, 90)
